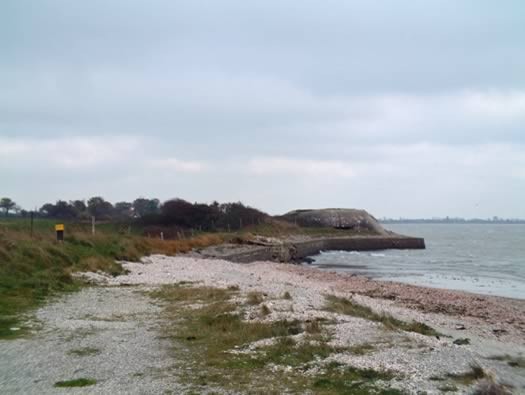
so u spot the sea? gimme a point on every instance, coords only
(481, 258)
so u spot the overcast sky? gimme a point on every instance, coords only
(404, 108)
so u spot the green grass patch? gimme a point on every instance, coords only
(215, 329)
(339, 379)
(345, 306)
(515, 362)
(362, 349)
(81, 382)
(84, 352)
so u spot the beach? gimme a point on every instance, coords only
(494, 327)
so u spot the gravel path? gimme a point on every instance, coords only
(105, 333)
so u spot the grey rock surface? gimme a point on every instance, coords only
(340, 218)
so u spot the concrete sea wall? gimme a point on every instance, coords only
(298, 251)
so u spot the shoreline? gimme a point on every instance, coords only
(490, 309)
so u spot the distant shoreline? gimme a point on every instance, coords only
(453, 221)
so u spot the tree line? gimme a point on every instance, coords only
(173, 212)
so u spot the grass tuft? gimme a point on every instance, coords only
(362, 349)
(345, 306)
(515, 362)
(85, 351)
(475, 373)
(81, 382)
(265, 310)
(254, 298)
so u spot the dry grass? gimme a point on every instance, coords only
(254, 298)
(265, 310)
(475, 373)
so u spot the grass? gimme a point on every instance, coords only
(345, 306)
(362, 349)
(35, 268)
(475, 373)
(515, 362)
(84, 352)
(254, 298)
(212, 331)
(81, 382)
(338, 379)
(265, 310)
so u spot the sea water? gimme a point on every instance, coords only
(481, 258)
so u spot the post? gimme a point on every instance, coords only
(32, 218)
(162, 235)
(240, 223)
(93, 225)
(59, 229)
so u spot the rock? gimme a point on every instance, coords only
(460, 327)
(340, 218)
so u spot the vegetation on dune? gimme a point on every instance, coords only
(348, 307)
(36, 267)
(217, 337)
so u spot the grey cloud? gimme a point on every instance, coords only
(326, 103)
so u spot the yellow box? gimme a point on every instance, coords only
(59, 227)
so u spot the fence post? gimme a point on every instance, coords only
(93, 225)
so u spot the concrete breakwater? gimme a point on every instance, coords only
(297, 251)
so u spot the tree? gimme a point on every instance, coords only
(99, 208)
(79, 205)
(61, 209)
(123, 209)
(143, 206)
(7, 205)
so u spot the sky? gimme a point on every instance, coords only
(403, 108)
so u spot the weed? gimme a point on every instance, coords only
(348, 307)
(475, 373)
(488, 387)
(254, 298)
(81, 382)
(86, 351)
(462, 341)
(338, 379)
(515, 362)
(362, 349)
(313, 327)
(265, 310)
(448, 388)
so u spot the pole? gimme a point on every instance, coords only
(93, 225)
(32, 219)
